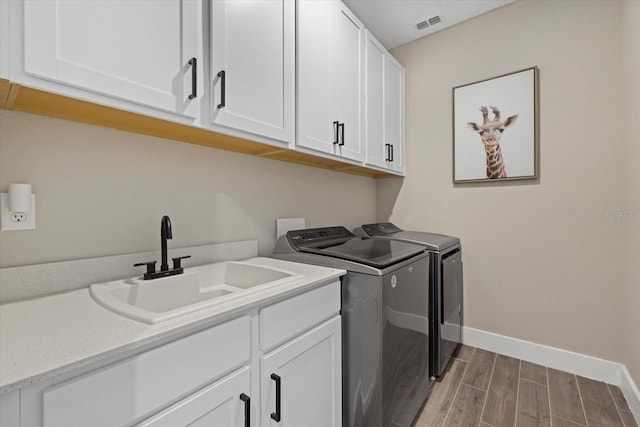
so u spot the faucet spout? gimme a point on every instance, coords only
(165, 234)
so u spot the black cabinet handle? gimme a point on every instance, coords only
(194, 78)
(247, 409)
(223, 85)
(336, 128)
(387, 157)
(276, 415)
(389, 148)
(341, 125)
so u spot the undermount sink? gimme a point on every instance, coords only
(153, 301)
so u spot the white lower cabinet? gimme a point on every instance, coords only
(221, 376)
(134, 389)
(10, 409)
(301, 381)
(224, 403)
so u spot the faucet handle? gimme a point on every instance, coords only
(177, 261)
(151, 268)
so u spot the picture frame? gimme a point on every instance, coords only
(495, 128)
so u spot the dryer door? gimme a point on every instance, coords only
(450, 322)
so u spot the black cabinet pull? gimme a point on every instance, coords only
(247, 409)
(389, 148)
(223, 84)
(341, 125)
(276, 415)
(336, 128)
(194, 78)
(387, 156)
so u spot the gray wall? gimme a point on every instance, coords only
(631, 211)
(544, 261)
(102, 192)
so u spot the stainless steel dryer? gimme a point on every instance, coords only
(446, 311)
(385, 343)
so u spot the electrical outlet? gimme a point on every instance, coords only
(16, 220)
(19, 217)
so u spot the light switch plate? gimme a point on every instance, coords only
(5, 215)
(286, 224)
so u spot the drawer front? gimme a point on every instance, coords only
(136, 387)
(287, 319)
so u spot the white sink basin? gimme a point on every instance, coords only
(156, 300)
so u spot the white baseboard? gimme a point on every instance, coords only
(630, 391)
(587, 366)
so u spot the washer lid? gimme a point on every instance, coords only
(433, 241)
(378, 253)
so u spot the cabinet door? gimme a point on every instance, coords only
(10, 409)
(329, 55)
(222, 404)
(138, 50)
(310, 380)
(384, 123)
(374, 117)
(394, 112)
(135, 388)
(4, 40)
(315, 118)
(347, 77)
(253, 44)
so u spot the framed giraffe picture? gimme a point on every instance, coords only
(495, 128)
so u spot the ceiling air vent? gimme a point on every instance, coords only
(427, 23)
(422, 25)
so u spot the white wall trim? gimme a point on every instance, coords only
(587, 366)
(630, 391)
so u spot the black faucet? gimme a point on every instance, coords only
(165, 234)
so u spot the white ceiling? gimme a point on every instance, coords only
(393, 21)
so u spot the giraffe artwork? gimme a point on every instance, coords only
(508, 130)
(490, 133)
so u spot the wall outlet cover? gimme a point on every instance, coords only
(16, 220)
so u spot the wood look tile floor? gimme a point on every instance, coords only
(485, 389)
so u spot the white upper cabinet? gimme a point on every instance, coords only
(330, 56)
(142, 51)
(297, 74)
(4, 40)
(394, 113)
(384, 123)
(253, 66)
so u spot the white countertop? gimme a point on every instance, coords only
(51, 335)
